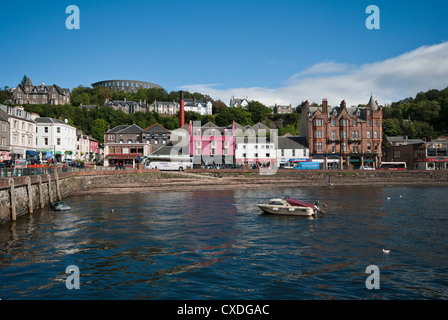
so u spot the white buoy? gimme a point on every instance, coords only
(386, 251)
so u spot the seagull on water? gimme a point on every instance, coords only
(386, 251)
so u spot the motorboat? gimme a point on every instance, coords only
(60, 206)
(288, 206)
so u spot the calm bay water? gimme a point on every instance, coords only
(217, 245)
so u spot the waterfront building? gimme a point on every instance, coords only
(4, 136)
(22, 131)
(255, 151)
(28, 93)
(94, 149)
(418, 154)
(55, 139)
(291, 150)
(156, 136)
(341, 136)
(123, 146)
(87, 147)
(210, 144)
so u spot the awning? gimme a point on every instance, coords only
(32, 153)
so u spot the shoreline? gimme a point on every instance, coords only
(187, 181)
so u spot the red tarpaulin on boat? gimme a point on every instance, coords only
(299, 203)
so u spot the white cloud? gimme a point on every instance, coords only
(390, 80)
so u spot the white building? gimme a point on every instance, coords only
(82, 146)
(199, 106)
(291, 150)
(55, 139)
(22, 130)
(238, 103)
(255, 151)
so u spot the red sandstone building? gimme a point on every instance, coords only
(343, 137)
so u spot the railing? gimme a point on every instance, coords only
(17, 172)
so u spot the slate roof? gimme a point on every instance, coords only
(129, 129)
(156, 128)
(292, 143)
(48, 120)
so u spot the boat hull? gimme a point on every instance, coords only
(287, 210)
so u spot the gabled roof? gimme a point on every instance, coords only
(156, 128)
(131, 129)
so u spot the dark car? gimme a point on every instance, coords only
(8, 163)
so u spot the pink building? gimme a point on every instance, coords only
(93, 145)
(210, 144)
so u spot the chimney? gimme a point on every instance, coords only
(343, 104)
(182, 113)
(324, 105)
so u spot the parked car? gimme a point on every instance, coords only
(8, 163)
(367, 168)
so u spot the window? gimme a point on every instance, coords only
(355, 123)
(343, 122)
(333, 122)
(369, 146)
(344, 146)
(344, 134)
(369, 135)
(375, 134)
(293, 152)
(46, 129)
(333, 135)
(58, 141)
(46, 141)
(318, 146)
(283, 152)
(333, 147)
(58, 129)
(318, 122)
(355, 147)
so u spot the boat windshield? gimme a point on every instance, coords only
(277, 203)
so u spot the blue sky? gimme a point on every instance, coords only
(272, 51)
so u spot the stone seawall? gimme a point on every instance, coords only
(68, 184)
